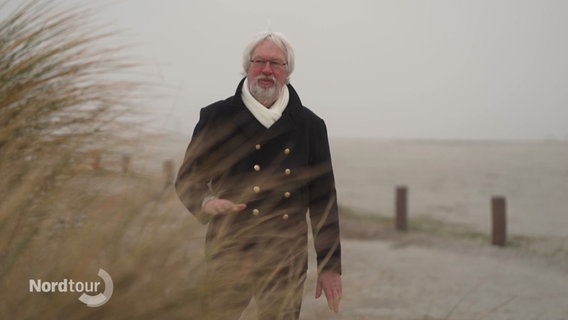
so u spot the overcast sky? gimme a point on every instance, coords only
(449, 69)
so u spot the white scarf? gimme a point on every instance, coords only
(266, 116)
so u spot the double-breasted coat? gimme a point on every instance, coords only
(280, 173)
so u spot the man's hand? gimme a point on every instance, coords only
(330, 283)
(222, 206)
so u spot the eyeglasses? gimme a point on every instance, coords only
(260, 63)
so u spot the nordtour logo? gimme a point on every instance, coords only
(84, 287)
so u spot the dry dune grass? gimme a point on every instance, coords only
(61, 95)
(61, 217)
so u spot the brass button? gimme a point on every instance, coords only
(287, 151)
(285, 216)
(287, 172)
(256, 189)
(287, 194)
(258, 146)
(256, 167)
(255, 212)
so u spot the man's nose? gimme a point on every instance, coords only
(267, 69)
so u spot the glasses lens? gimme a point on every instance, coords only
(273, 63)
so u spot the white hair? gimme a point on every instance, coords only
(279, 40)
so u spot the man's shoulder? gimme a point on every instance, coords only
(298, 106)
(311, 117)
(219, 105)
(221, 108)
(310, 114)
(227, 105)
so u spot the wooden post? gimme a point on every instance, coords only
(499, 221)
(401, 209)
(125, 163)
(96, 161)
(168, 168)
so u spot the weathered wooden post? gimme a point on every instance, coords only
(168, 168)
(125, 163)
(499, 221)
(401, 207)
(96, 161)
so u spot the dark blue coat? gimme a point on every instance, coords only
(280, 173)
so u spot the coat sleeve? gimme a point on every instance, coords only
(323, 201)
(192, 181)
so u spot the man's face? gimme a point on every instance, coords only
(267, 79)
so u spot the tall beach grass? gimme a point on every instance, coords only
(65, 85)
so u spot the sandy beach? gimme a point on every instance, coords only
(383, 281)
(448, 269)
(454, 181)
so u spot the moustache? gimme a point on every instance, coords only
(264, 77)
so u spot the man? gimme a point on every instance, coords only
(256, 164)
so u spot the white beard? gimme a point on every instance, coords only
(267, 116)
(266, 96)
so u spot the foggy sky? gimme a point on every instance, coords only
(484, 69)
